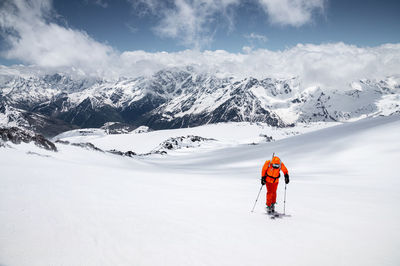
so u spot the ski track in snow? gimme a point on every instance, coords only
(81, 207)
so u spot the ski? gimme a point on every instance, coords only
(272, 215)
(275, 215)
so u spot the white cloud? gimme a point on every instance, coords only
(329, 65)
(131, 27)
(291, 12)
(101, 3)
(254, 40)
(35, 39)
(145, 6)
(192, 22)
(247, 49)
(257, 37)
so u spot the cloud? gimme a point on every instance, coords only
(101, 3)
(192, 22)
(34, 38)
(144, 7)
(247, 49)
(292, 12)
(254, 40)
(131, 27)
(329, 65)
(257, 37)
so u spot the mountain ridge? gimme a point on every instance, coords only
(175, 98)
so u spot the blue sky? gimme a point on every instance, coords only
(125, 27)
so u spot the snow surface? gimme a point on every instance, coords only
(225, 134)
(80, 207)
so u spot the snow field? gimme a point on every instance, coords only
(81, 207)
(225, 134)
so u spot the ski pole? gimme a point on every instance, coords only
(284, 202)
(257, 198)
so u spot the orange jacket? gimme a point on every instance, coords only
(272, 174)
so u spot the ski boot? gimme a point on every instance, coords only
(272, 208)
(274, 214)
(269, 209)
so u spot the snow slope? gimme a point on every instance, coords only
(225, 134)
(80, 207)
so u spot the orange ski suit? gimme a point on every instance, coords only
(272, 177)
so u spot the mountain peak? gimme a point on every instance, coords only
(182, 97)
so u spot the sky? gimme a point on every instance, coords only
(232, 24)
(146, 35)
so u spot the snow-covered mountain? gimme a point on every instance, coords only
(176, 98)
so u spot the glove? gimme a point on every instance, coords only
(263, 180)
(287, 178)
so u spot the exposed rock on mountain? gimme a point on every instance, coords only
(41, 124)
(127, 153)
(17, 135)
(117, 128)
(182, 142)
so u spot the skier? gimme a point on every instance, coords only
(270, 177)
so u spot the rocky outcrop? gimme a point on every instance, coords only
(127, 153)
(17, 136)
(176, 143)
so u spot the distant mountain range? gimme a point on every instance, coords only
(175, 98)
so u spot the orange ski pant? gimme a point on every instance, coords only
(271, 192)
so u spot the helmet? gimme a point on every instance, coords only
(276, 162)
